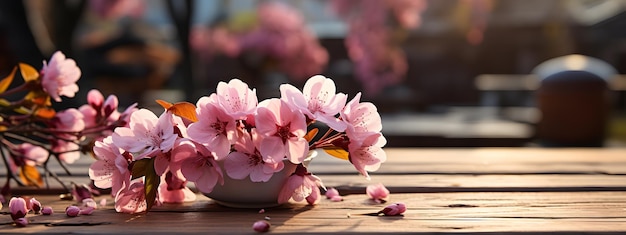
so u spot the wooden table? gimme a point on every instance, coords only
(471, 190)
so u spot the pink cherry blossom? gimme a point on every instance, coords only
(300, 185)
(69, 120)
(362, 121)
(33, 155)
(18, 207)
(59, 76)
(283, 131)
(314, 197)
(146, 135)
(368, 156)
(174, 190)
(377, 192)
(318, 100)
(112, 9)
(215, 129)
(111, 168)
(68, 152)
(236, 99)
(202, 169)
(131, 199)
(246, 160)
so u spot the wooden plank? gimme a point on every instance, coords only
(462, 160)
(481, 169)
(417, 183)
(489, 161)
(589, 213)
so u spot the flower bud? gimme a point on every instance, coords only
(21, 222)
(35, 205)
(81, 192)
(394, 209)
(72, 211)
(261, 226)
(18, 208)
(331, 192)
(47, 210)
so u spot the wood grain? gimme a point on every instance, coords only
(589, 212)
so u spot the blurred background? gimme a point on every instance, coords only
(443, 73)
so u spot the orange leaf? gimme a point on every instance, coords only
(46, 113)
(184, 109)
(28, 72)
(4, 84)
(30, 176)
(309, 136)
(337, 152)
(38, 98)
(164, 104)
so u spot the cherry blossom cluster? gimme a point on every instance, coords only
(32, 132)
(279, 39)
(373, 43)
(231, 133)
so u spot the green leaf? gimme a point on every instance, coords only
(337, 152)
(4, 84)
(152, 184)
(140, 167)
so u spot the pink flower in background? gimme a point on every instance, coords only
(111, 168)
(69, 120)
(283, 131)
(236, 99)
(210, 42)
(246, 160)
(59, 76)
(67, 151)
(300, 186)
(215, 129)
(18, 208)
(99, 113)
(318, 100)
(378, 58)
(282, 36)
(112, 9)
(33, 155)
(377, 192)
(131, 199)
(407, 12)
(147, 134)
